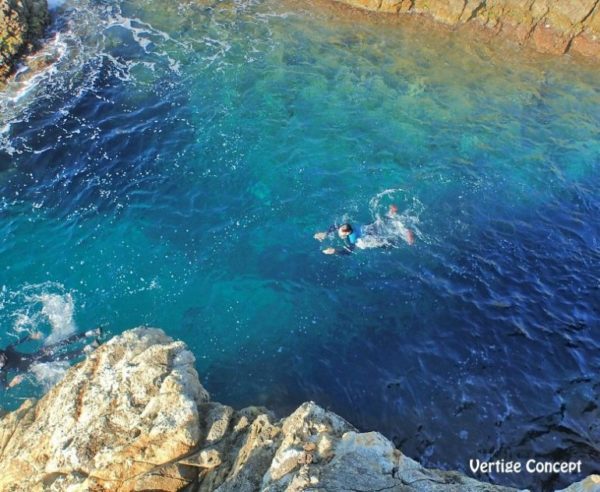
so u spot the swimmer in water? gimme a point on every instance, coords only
(350, 235)
(14, 360)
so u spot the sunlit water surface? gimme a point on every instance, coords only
(172, 162)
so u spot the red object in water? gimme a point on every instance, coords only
(393, 209)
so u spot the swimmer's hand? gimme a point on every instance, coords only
(16, 380)
(36, 335)
(329, 251)
(319, 236)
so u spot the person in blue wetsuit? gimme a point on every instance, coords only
(346, 233)
(350, 234)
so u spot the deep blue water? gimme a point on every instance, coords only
(171, 167)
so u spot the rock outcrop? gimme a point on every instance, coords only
(131, 404)
(133, 416)
(22, 24)
(589, 484)
(550, 26)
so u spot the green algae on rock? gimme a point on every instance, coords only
(22, 23)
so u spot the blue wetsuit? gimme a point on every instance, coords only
(349, 241)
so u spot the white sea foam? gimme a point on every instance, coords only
(59, 64)
(49, 373)
(389, 230)
(384, 232)
(59, 310)
(73, 57)
(46, 308)
(24, 323)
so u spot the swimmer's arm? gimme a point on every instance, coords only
(345, 251)
(16, 380)
(320, 236)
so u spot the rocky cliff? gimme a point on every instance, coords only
(22, 23)
(133, 416)
(550, 26)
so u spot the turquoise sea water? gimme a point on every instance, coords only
(170, 167)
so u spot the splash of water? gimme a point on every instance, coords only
(390, 229)
(43, 307)
(49, 373)
(59, 310)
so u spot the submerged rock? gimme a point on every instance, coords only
(550, 26)
(134, 416)
(22, 24)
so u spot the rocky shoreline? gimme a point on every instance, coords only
(555, 27)
(133, 416)
(22, 24)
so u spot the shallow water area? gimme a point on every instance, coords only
(172, 165)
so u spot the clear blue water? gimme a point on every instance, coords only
(171, 165)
